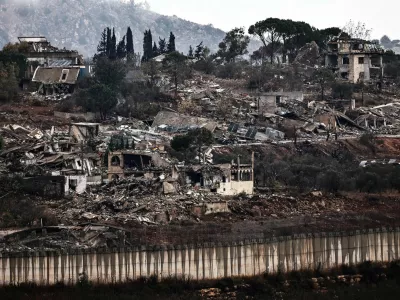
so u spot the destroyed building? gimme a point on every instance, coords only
(41, 54)
(122, 164)
(268, 102)
(82, 132)
(355, 60)
(175, 122)
(224, 179)
(52, 77)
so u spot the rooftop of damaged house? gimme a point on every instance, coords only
(154, 146)
(52, 68)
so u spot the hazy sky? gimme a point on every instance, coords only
(381, 16)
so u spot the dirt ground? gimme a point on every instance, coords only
(269, 216)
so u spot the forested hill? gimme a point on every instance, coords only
(77, 24)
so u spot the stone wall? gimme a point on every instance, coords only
(207, 261)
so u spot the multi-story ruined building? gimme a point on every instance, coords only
(50, 65)
(355, 60)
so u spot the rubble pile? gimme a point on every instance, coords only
(284, 206)
(132, 200)
(82, 236)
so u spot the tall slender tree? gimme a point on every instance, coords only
(147, 46)
(155, 50)
(199, 51)
(191, 53)
(129, 42)
(171, 44)
(102, 47)
(162, 46)
(108, 42)
(113, 46)
(121, 49)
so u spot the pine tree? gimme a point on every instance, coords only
(102, 47)
(199, 51)
(162, 46)
(190, 54)
(129, 42)
(171, 43)
(113, 46)
(121, 49)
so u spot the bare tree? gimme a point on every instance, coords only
(357, 30)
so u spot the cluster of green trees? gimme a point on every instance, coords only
(289, 36)
(109, 48)
(13, 65)
(151, 49)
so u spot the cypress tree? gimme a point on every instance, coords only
(147, 46)
(108, 48)
(171, 43)
(162, 46)
(150, 45)
(155, 50)
(145, 54)
(121, 49)
(113, 47)
(129, 41)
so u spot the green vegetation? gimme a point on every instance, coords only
(324, 78)
(187, 145)
(175, 65)
(339, 172)
(234, 44)
(8, 82)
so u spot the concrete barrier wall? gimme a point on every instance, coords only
(206, 261)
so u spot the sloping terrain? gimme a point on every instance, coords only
(77, 24)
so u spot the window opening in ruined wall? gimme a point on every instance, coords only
(64, 75)
(115, 161)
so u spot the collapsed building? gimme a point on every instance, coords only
(269, 102)
(355, 60)
(136, 163)
(224, 179)
(53, 162)
(51, 66)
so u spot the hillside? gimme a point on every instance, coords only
(77, 24)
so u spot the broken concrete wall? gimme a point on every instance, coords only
(213, 208)
(233, 188)
(84, 131)
(359, 68)
(268, 102)
(76, 183)
(93, 180)
(208, 261)
(48, 186)
(126, 163)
